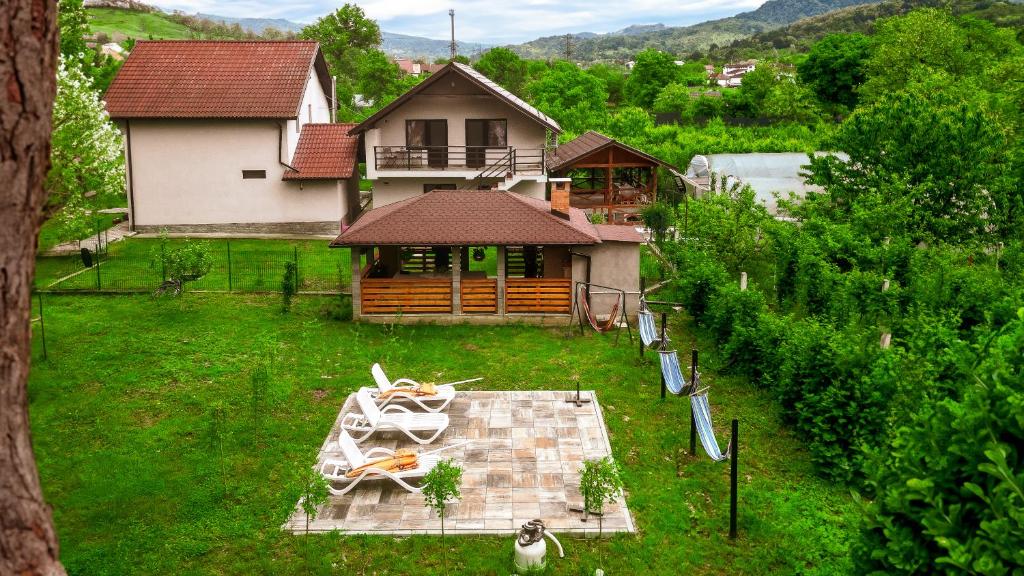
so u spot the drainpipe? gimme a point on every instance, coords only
(334, 99)
(280, 144)
(131, 173)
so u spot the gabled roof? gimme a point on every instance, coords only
(215, 79)
(468, 218)
(324, 152)
(617, 233)
(590, 142)
(476, 78)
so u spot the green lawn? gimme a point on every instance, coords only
(256, 266)
(122, 429)
(135, 24)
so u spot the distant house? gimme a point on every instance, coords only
(225, 136)
(740, 68)
(769, 174)
(409, 67)
(113, 50)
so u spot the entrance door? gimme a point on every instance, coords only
(481, 134)
(431, 135)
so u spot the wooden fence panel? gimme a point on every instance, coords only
(538, 295)
(406, 295)
(480, 296)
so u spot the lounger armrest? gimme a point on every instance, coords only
(379, 450)
(339, 468)
(398, 382)
(395, 408)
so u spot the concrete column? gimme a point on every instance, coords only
(501, 280)
(456, 280)
(356, 277)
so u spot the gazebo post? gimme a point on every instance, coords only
(357, 275)
(457, 280)
(501, 281)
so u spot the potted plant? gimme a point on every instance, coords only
(440, 486)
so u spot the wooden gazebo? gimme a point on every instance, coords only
(608, 177)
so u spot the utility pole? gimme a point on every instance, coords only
(568, 47)
(451, 13)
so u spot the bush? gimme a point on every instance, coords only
(948, 488)
(700, 278)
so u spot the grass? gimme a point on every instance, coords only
(136, 24)
(256, 266)
(121, 414)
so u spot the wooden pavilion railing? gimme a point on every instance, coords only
(406, 296)
(480, 296)
(538, 295)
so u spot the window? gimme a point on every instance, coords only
(481, 135)
(429, 187)
(253, 174)
(423, 133)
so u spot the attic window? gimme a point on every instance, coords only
(253, 174)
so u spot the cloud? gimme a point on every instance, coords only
(486, 21)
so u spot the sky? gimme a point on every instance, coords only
(485, 21)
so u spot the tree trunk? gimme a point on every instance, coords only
(28, 48)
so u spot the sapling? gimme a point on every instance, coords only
(439, 486)
(600, 484)
(288, 287)
(314, 493)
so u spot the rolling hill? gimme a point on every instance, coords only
(684, 40)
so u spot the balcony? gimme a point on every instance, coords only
(481, 161)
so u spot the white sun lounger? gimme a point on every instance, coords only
(403, 390)
(421, 427)
(335, 470)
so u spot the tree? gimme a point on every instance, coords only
(614, 79)
(504, 67)
(440, 486)
(379, 78)
(600, 484)
(345, 36)
(28, 64)
(674, 97)
(186, 262)
(834, 68)
(927, 41)
(570, 95)
(657, 218)
(74, 27)
(314, 492)
(941, 151)
(653, 71)
(87, 164)
(631, 125)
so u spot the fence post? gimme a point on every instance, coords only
(693, 420)
(99, 281)
(734, 461)
(295, 257)
(163, 261)
(664, 321)
(230, 287)
(642, 290)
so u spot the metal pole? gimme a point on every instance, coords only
(42, 324)
(230, 286)
(99, 281)
(732, 477)
(664, 320)
(693, 420)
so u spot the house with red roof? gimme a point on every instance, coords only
(233, 136)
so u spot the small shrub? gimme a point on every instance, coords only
(288, 286)
(440, 486)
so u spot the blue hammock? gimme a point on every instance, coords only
(670, 370)
(648, 332)
(702, 416)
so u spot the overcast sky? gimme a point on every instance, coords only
(488, 21)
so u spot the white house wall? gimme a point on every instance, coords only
(613, 264)
(189, 173)
(315, 108)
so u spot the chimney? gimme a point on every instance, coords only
(560, 196)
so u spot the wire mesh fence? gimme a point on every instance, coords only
(134, 265)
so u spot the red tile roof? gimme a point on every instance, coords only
(324, 152)
(467, 218)
(215, 79)
(617, 233)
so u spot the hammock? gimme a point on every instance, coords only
(648, 332)
(670, 371)
(599, 326)
(702, 416)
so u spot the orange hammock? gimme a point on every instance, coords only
(599, 326)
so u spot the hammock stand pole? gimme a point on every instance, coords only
(664, 320)
(693, 419)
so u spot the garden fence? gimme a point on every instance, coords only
(125, 268)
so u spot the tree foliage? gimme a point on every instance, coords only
(571, 96)
(504, 67)
(346, 38)
(653, 71)
(834, 67)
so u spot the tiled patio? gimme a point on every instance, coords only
(523, 463)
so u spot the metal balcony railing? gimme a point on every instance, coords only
(487, 159)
